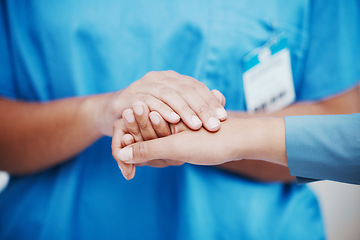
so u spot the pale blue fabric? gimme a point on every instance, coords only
(324, 147)
(55, 49)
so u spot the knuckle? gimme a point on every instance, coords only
(164, 91)
(185, 88)
(185, 107)
(202, 109)
(144, 125)
(143, 150)
(171, 72)
(177, 128)
(169, 80)
(150, 74)
(117, 124)
(214, 103)
(173, 129)
(134, 131)
(200, 84)
(163, 131)
(142, 98)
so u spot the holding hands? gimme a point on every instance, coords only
(165, 97)
(172, 95)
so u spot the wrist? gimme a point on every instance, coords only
(261, 139)
(96, 111)
(234, 139)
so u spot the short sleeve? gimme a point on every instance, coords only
(332, 62)
(324, 147)
(7, 88)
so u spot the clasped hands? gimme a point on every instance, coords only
(163, 114)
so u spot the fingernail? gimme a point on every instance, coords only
(138, 109)
(127, 139)
(196, 121)
(174, 116)
(122, 172)
(221, 113)
(155, 118)
(213, 122)
(126, 154)
(129, 117)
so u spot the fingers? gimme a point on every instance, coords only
(128, 170)
(178, 128)
(163, 108)
(162, 129)
(202, 108)
(151, 153)
(143, 125)
(143, 121)
(131, 125)
(219, 96)
(181, 107)
(160, 126)
(188, 97)
(174, 95)
(161, 148)
(127, 139)
(211, 100)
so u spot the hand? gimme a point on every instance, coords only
(143, 125)
(138, 124)
(171, 94)
(197, 147)
(132, 124)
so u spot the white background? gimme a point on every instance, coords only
(340, 203)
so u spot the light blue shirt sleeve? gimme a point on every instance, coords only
(324, 147)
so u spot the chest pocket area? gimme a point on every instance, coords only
(238, 27)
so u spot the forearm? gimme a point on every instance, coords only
(261, 139)
(39, 135)
(345, 103)
(238, 138)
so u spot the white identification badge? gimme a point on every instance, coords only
(267, 79)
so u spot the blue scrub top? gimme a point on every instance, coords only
(56, 49)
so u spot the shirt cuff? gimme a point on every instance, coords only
(324, 147)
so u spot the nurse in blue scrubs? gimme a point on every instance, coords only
(64, 62)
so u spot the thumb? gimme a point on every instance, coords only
(141, 152)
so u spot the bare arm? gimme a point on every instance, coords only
(239, 138)
(345, 103)
(35, 136)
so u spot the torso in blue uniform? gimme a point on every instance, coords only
(57, 49)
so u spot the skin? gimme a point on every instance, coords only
(139, 124)
(266, 170)
(36, 136)
(344, 103)
(255, 138)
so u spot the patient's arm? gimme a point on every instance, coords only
(345, 103)
(238, 138)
